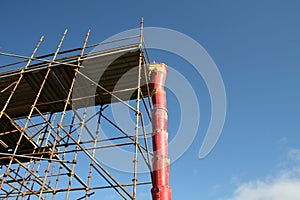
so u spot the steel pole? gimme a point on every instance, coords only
(161, 162)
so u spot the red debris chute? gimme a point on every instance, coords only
(161, 162)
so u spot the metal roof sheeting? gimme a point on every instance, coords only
(115, 69)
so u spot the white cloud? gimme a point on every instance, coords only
(283, 186)
(280, 189)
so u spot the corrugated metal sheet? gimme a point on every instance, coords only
(114, 69)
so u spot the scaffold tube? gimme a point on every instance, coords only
(161, 162)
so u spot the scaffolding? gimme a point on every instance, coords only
(50, 138)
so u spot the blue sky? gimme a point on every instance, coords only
(255, 45)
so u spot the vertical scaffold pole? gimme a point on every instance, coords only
(161, 162)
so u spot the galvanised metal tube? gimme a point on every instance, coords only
(161, 162)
